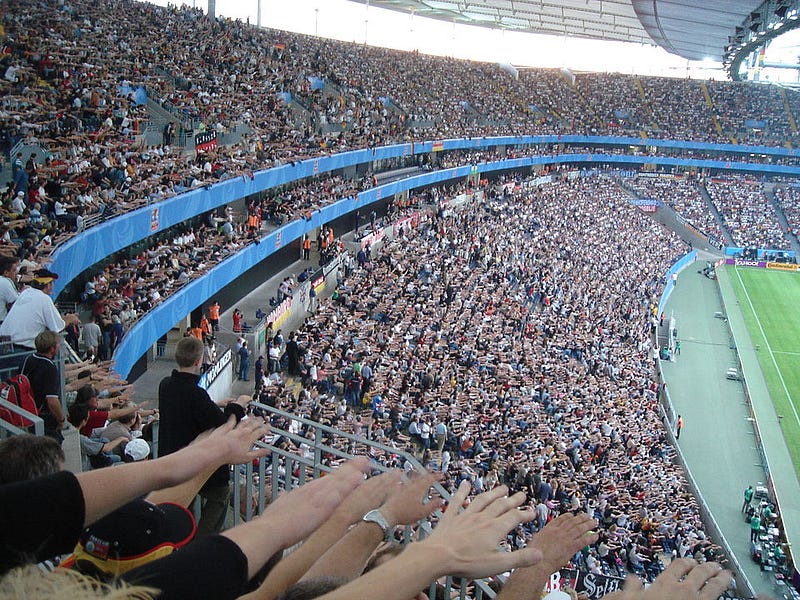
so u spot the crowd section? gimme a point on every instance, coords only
(488, 344)
(746, 111)
(681, 194)
(788, 198)
(86, 109)
(748, 214)
(506, 344)
(616, 101)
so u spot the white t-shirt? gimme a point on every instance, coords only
(32, 313)
(8, 295)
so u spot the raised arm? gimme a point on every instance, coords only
(405, 506)
(463, 544)
(560, 539)
(288, 571)
(106, 489)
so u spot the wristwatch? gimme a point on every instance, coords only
(375, 516)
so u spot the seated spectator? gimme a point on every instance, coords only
(95, 452)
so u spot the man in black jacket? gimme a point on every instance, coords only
(186, 410)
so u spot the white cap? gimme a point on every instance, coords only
(137, 449)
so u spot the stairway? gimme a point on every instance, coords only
(717, 215)
(648, 108)
(710, 103)
(788, 109)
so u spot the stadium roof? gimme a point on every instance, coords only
(693, 29)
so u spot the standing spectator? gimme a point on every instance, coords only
(440, 434)
(45, 383)
(259, 374)
(205, 327)
(169, 130)
(9, 265)
(236, 356)
(244, 362)
(186, 410)
(293, 354)
(34, 312)
(274, 361)
(237, 320)
(748, 497)
(117, 333)
(91, 338)
(755, 527)
(161, 345)
(213, 316)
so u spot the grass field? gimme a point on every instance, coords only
(770, 305)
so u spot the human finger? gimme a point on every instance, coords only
(715, 586)
(700, 574)
(498, 562)
(481, 501)
(502, 505)
(633, 585)
(677, 569)
(456, 502)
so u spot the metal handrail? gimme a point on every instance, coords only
(287, 469)
(36, 421)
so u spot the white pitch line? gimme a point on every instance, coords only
(786, 352)
(769, 349)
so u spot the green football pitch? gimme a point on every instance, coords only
(770, 303)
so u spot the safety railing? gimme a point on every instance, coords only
(8, 429)
(302, 450)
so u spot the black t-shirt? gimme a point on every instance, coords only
(212, 566)
(44, 517)
(185, 411)
(40, 519)
(43, 375)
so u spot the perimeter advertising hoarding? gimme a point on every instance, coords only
(740, 262)
(593, 585)
(782, 266)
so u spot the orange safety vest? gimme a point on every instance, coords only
(213, 312)
(307, 244)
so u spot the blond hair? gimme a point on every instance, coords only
(31, 583)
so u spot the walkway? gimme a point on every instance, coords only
(718, 441)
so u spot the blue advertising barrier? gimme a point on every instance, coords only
(75, 256)
(670, 285)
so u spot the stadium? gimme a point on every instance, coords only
(480, 285)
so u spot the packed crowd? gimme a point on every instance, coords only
(510, 354)
(788, 199)
(505, 346)
(89, 114)
(748, 214)
(681, 194)
(328, 516)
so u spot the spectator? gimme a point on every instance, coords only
(186, 411)
(34, 312)
(25, 456)
(42, 372)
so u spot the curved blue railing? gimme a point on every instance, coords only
(81, 252)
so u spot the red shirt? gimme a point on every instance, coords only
(97, 420)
